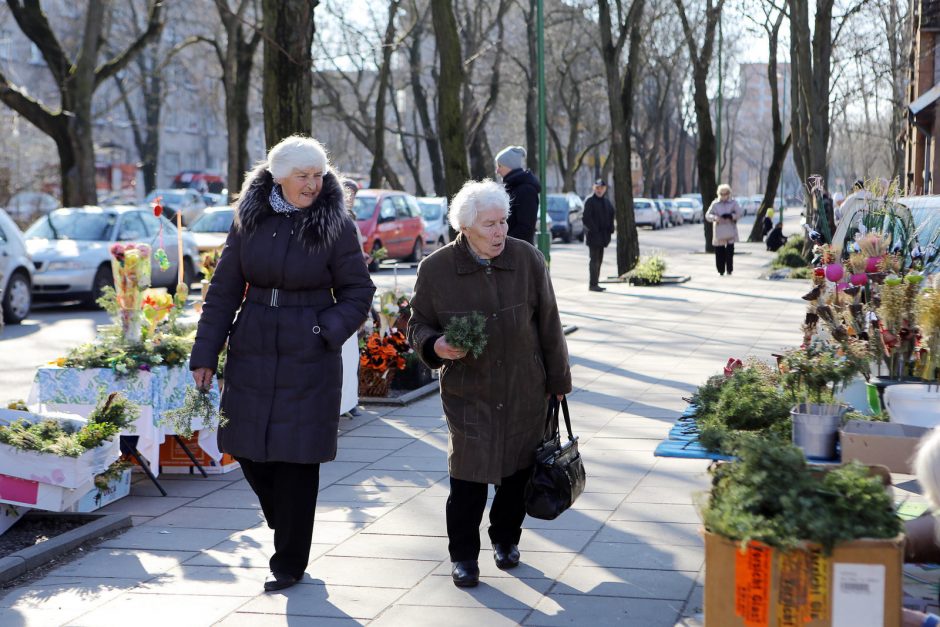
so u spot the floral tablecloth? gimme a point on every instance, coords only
(162, 389)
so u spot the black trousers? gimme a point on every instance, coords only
(288, 495)
(724, 258)
(465, 507)
(594, 265)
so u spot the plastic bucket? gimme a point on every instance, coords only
(816, 429)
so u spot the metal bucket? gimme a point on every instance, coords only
(816, 429)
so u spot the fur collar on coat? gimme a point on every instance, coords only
(320, 224)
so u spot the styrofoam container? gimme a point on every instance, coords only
(913, 404)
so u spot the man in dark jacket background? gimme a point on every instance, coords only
(523, 188)
(598, 227)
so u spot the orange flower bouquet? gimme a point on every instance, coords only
(380, 356)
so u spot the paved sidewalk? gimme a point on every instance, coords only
(628, 553)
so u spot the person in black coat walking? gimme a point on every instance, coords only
(598, 221)
(523, 188)
(292, 269)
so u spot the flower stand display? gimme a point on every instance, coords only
(156, 392)
(40, 480)
(96, 498)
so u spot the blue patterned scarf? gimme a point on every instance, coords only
(278, 203)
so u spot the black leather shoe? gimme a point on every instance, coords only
(506, 555)
(597, 288)
(466, 574)
(278, 581)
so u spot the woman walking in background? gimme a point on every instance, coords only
(292, 269)
(724, 213)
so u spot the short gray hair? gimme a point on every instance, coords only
(474, 197)
(296, 153)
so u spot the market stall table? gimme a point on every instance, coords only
(156, 392)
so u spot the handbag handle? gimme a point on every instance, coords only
(552, 418)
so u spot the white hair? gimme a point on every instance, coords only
(724, 187)
(475, 196)
(927, 467)
(296, 153)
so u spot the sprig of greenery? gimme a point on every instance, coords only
(771, 495)
(815, 372)
(467, 332)
(113, 472)
(110, 351)
(651, 269)
(108, 419)
(197, 404)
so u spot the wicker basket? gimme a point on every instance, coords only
(373, 383)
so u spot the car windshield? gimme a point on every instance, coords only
(558, 206)
(430, 210)
(640, 204)
(215, 222)
(77, 225)
(363, 207)
(687, 204)
(167, 197)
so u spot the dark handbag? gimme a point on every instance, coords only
(558, 475)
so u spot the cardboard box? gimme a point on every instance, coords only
(858, 585)
(173, 458)
(95, 499)
(889, 444)
(38, 495)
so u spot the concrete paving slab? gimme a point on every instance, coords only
(422, 464)
(160, 538)
(532, 565)
(252, 619)
(178, 487)
(648, 532)
(210, 518)
(494, 593)
(355, 454)
(190, 579)
(393, 478)
(560, 540)
(626, 583)
(367, 494)
(656, 512)
(326, 601)
(394, 547)
(228, 499)
(660, 495)
(156, 610)
(422, 515)
(419, 616)
(36, 617)
(351, 512)
(370, 572)
(643, 556)
(149, 506)
(123, 563)
(572, 609)
(65, 593)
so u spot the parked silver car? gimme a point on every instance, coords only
(690, 208)
(16, 272)
(646, 213)
(71, 250)
(434, 213)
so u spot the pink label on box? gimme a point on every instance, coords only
(19, 490)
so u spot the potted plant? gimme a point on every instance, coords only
(813, 375)
(380, 356)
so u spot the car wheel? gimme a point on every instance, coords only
(417, 252)
(374, 264)
(103, 278)
(17, 299)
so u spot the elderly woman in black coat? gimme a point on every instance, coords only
(292, 269)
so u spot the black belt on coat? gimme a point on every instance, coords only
(274, 297)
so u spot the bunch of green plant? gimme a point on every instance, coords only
(857, 415)
(650, 269)
(467, 332)
(110, 351)
(815, 372)
(197, 404)
(771, 495)
(112, 473)
(749, 401)
(705, 396)
(110, 417)
(788, 258)
(108, 301)
(801, 273)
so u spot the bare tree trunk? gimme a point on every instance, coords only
(379, 165)
(70, 126)
(431, 142)
(780, 145)
(287, 95)
(701, 59)
(620, 99)
(449, 113)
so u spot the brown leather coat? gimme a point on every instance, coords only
(495, 404)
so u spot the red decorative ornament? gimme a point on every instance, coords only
(819, 272)
(157, 207)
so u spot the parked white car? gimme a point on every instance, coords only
(72, 257)
(646, 213)
(690, 208)
(211, 228)
(434, 214)
(16, 272)
(187, 202)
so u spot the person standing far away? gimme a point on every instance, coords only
(523, 188)
(292, 271)
(598, 221)
(724, 212)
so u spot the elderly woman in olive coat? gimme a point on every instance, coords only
(496, 403)
(293, 271)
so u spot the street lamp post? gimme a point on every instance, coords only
(545, 238)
